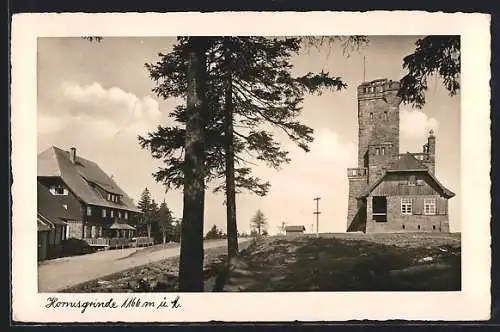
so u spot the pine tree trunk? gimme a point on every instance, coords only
(232, 230)
(191, 256)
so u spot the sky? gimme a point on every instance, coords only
(98, 98)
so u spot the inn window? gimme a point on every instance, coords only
(119, 215)
(112, 213)
(104, 213)
(430, 206)
(125, 215)
(89, 211)
(406, 205)
(109, 197)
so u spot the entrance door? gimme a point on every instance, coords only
(379, 210)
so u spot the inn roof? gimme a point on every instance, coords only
(81, 178)
(50, 209)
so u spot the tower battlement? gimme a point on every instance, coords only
(377, 88)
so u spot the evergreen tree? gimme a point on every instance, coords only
(152, 226)
(191, 256)
(214, 233)
(165, 220)
(258, 222)
(433, 55)
(145, 205)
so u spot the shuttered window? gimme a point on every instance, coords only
(418, 206)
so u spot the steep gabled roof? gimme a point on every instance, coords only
(50, 209)
(79, 176)
(407, 163)
(295, 228)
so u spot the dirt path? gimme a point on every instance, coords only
(62, 273)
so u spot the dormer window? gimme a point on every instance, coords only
(58, 190)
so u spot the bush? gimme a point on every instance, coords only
(73, 247)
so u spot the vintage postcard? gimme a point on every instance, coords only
(196, 167)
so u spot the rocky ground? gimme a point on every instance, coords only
(350, 262)
(333, 262)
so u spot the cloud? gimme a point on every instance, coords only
(414, 124)
(100, 111)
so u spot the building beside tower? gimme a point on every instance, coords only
(389, 191)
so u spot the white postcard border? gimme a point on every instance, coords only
(472, 303)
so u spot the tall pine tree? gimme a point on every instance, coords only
(249, 84)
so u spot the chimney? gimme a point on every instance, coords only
(72, 155)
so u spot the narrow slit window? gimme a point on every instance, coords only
(385, 115)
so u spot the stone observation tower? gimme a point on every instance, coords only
(379, 155)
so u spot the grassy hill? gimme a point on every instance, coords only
(350, 262)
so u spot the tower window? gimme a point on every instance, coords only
(434, 227)
(377, 151)
(382, 151)
(371, 115)
(385, 115)
(418, 227)
(403, 226)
